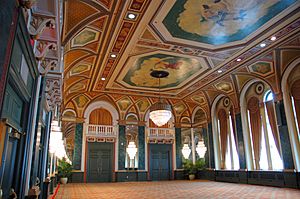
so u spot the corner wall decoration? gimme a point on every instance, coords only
(259, 89)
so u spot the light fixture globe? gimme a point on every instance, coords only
(186, 151)
(160, 112)
(201, 149)
(131, 150)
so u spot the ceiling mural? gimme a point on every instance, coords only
(199, 43)
(85, 37)
(218, 22)
(262, 68)
(81, 68)
(180, 69)
(198, 99)
(224, 86)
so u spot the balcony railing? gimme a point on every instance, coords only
(101, 130)
(161, 133)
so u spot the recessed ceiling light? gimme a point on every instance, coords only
(113, 55)
(102, 78)
(273, 38)
(220, 71)
(239, 59)
(262, 45)
(131, 16)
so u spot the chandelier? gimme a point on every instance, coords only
(201, 149)
(186, 151)
(131, 150)
(160, 112)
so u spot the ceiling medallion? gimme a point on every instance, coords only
(160, 112)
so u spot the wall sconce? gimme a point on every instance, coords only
(201, 149)
(131, 150)
(186, 151)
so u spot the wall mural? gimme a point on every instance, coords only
(143, 105)
(124, 103)
(81, 101)
(179, 108)
(220, 21)
(180, 68)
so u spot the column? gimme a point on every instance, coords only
(141, 149)
(206, 143)
(193, 146)
(178, 148)
(211, 146)
(122, 147)
(287, 156)
(78, 146)
(240, 138)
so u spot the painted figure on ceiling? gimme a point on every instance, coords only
(222, 17)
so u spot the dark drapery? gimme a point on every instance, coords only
(223, 134)
(255, 124)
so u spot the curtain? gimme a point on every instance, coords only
(223, 134)
(100, 116)
(233, 125)
(296, 95)
(273, 124)
(255, 124)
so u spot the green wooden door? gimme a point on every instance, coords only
(160, 162)
(99, 162)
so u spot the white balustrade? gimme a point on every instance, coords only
(101, 130)
(161, 133)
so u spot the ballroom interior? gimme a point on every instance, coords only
(129, 91)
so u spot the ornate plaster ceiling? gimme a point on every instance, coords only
(198, 42)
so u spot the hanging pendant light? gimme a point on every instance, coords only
(186, 151)
(160, 112)
(201, 149)
(131, 150)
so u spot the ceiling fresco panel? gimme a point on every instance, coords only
(80, 11)
(219, 22)
(181, 70)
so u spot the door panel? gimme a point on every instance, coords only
(155, 165)
(99, 162)
(160, 162)
(9, 167)
(165, 166)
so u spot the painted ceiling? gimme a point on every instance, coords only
(109, 56)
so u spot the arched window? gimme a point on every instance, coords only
(263, 128)
(272, 131)
(295, 98)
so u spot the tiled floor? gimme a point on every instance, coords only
(174, 190)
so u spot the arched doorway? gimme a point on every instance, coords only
(99, 162)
